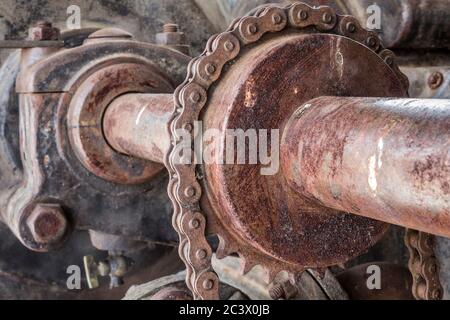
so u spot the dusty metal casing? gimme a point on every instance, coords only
(52, 93)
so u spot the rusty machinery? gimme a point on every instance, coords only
(101, 124)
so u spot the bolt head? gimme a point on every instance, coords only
(47, 223)
(435, 80)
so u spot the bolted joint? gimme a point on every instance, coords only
(173, 37)
(43, 31)
(47, 223)
(284, 290)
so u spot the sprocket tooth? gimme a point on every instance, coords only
(225, 248)
(246, 265)
(270, 274)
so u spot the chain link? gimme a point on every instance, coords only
(423, 265)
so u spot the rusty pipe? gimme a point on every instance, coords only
(136, 125)
(385, 159)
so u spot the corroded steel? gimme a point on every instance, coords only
(85, 117)
(386, 159)
(187, 186)
(51, 163)
(423, 265)
(137, 125)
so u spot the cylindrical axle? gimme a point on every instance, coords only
(136, 125)
(386, 159)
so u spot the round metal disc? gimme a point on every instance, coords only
(261, 90)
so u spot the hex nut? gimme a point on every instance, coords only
(47, 223)
(171, 38)
(43, 31)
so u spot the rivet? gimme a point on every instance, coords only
(302, 15)
(351, 27)
(252, 28)
(389, 60)
(201, 254)
(194, 224)
(371, 42)
(189, 192)
(435, 81)
(208, 284)
(210, 69)
(277, 18)
(229, 46)
(327, 18)
(195, 96)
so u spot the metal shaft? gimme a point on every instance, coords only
(136, 125)
(386, 159)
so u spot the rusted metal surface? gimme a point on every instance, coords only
(386, 159)
(429, 82)
(423, 265)
(221, 13)
(52, 170)
(244, 96)
(435, 80)
(137, 125)
(283, 290)
(395, 284)
(47, 223)
(244, 221)
(200, 191)
(85, 116)
(49, 76)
